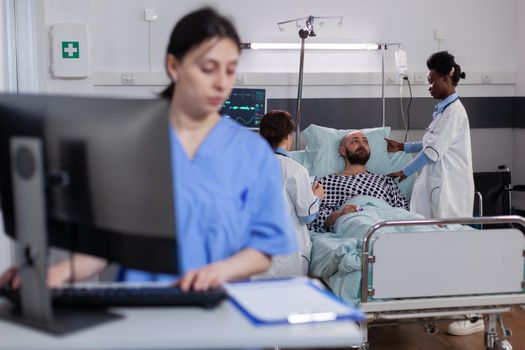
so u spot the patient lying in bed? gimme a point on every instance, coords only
(355, 200)
(352, 181)
(336, 255)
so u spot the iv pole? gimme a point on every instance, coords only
(303, 34)
(383, 48)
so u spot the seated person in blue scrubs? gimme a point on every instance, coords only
(230, 210)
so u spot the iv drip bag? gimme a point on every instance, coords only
(401, 61)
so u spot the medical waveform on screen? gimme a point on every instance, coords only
(246, 106)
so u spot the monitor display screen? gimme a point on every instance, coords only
(106, 171)
(246, 106)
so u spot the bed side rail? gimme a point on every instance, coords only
(367, 259)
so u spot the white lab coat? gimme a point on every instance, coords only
(301, 202)
(445, 187)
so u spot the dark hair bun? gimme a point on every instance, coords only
(444, 63)
(275, 126)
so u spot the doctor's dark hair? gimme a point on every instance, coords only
(194, 29)
(276, 126)
(443, 62)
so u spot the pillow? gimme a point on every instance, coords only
(322, 153)
(298, 156)
(397, 161)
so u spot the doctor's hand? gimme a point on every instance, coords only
(394, 146)
(318, 190)
(398, 174)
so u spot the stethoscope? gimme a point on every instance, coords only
(446, 106)
(281, 154)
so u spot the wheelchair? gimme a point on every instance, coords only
(493, 194)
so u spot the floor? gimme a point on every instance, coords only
(413, 337)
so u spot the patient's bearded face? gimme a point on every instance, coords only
(359, 156)
(357, 149)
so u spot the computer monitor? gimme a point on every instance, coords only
(246, 106)
(106, 175)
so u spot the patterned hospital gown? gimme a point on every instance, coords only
(339, 188)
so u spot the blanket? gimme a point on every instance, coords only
(336, 256)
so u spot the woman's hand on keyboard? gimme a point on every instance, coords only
(209, 276)
(241, 265)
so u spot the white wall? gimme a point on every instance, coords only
(484, 35)
(119, 38)
(520, 47)
(120, 41)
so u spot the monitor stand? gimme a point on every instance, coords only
(36, 309)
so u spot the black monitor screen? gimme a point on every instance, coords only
(246, 106)
(106, 173)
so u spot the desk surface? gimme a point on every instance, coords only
(183, 328)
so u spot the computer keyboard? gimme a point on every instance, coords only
(119, 295)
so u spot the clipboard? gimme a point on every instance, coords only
(289, 301)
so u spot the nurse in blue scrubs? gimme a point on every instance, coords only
(230, 211)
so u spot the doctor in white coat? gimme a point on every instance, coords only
(445, 186)
(302, 196)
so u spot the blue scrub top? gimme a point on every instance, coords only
(227, 198)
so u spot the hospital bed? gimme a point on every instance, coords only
(415, 269)
(431, 275)
(427, 276)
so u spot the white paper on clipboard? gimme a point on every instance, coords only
(294, 300)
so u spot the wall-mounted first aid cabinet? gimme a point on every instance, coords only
(69, 42)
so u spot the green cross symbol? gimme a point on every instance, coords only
(70, 49)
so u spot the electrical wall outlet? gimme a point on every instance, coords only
(150, 15)
(410, 77)
(420, 77)
(391, 78)
(486, 78)
(127, 78)
(439, 34)
(239, 79)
